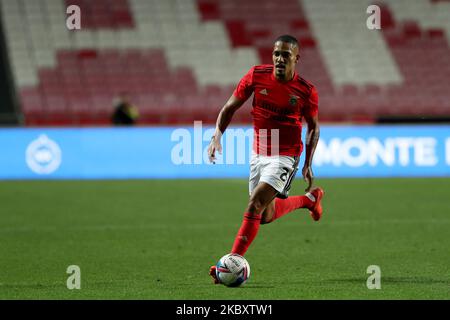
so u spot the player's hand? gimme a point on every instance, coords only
(214, 145)
(308, 176)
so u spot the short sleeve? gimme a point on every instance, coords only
(312, 108)
(244, 88)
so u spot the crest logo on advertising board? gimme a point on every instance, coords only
(43, 155)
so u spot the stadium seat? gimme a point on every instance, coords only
(180, 60)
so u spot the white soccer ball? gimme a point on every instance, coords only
(232, 270)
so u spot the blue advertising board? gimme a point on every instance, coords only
(171, 152)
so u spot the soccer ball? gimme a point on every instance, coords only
(232, 270)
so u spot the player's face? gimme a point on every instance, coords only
(285, 57)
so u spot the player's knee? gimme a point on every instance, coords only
(265, 220)
(267, 216)
(255, 207)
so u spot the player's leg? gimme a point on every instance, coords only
(280, 173)
(269, 213)
(280, 207)
(261, 196)
(248, 225)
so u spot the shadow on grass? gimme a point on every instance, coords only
(255, 286)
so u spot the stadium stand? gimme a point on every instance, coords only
(180, 59)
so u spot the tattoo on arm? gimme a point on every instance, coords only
(311, 143)
(313, 138)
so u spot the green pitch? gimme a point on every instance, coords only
(157, 239)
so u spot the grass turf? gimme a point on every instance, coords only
(153, 239)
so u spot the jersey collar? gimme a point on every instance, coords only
(272, 76)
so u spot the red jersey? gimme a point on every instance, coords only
(277, 105)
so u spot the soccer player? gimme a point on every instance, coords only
(281, 100)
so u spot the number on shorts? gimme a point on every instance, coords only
(283, 176)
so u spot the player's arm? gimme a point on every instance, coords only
(223, 120)
(242, 92)
(312, 137)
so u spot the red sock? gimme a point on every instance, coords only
(284, 206)
(246, 234)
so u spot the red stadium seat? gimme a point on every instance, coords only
(81, 85)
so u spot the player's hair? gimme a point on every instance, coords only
(288, 39)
